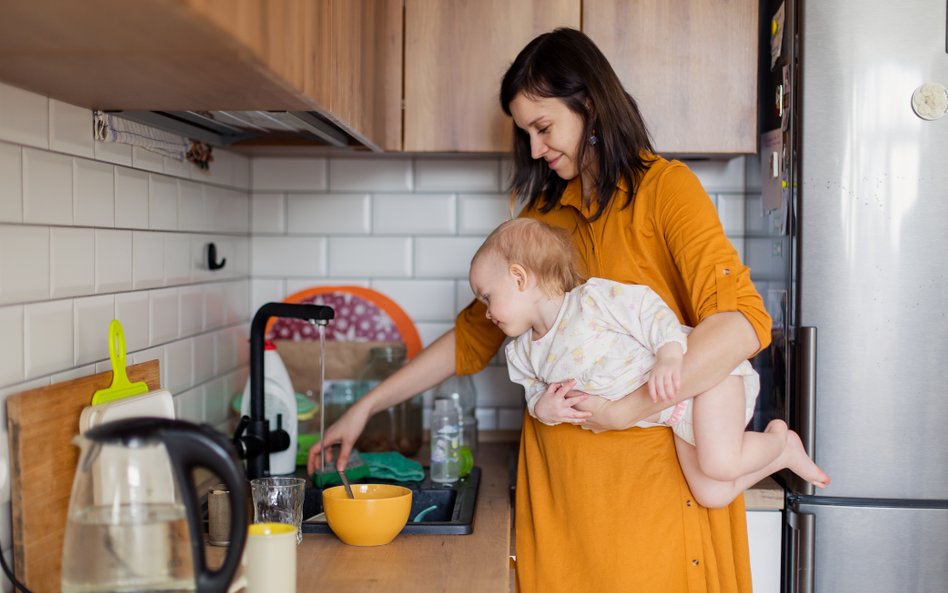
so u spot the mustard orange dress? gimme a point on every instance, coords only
(611, 512)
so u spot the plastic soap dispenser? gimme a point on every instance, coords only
(279, 404)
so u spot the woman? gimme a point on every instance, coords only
(608, 511)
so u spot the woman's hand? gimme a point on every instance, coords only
(600, 419)
(717, 345)
(558, 404)
(343, 432)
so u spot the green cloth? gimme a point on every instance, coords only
(392, 465)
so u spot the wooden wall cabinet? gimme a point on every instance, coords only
(456, 52)
(343, 55)
(341, 58)
(690, 64)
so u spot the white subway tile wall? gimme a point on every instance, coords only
(93, 193)
(24, 118)
(11, 183)
(24, 263)
(318, 214)
(47, 187)
(131, 204)
(268, 213)
(69, 129)
(408, 227)
(72, 261)
(92, 231)
(414, 214)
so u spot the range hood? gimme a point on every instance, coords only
(225, 128)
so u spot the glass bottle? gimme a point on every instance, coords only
(460, 390)
(445, 445)
(399, 428)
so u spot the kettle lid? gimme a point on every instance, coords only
(136, 431)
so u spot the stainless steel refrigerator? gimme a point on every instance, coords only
(855, 188)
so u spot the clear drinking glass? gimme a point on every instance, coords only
(279, 500)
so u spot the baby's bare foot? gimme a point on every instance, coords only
(800, 463)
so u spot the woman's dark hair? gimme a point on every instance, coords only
(566, 64)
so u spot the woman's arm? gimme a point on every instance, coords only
(716, 346)
(432, 365)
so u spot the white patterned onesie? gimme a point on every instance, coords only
(605, 337)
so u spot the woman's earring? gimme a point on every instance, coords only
(593, 139)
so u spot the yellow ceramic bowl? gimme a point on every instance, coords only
(373, 518)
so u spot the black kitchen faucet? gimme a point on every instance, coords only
(259, 441)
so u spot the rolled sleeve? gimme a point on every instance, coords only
(477, 340)
(714, 277)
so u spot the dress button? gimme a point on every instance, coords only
(695, 562)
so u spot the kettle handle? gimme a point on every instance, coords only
(192, 446)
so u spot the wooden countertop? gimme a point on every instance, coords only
(476, 563)
(766, 495)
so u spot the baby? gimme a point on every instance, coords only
(607, 339)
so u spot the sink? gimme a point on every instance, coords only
(453, 512)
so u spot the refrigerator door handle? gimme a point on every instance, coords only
(799, 575)
(804, 421)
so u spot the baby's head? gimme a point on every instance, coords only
(545, 252)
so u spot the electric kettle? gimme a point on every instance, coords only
(128, 529)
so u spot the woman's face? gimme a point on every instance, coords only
(555, 131)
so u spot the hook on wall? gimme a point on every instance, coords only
(212, 263)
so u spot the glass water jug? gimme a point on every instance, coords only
(134, 521)
(398, 428)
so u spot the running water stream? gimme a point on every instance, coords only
(322, 392)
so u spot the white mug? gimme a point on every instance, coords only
(269, 559)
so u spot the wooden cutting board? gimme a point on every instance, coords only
(42, 423)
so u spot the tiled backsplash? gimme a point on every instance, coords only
(94, 231)
(407, 227)
(90, 232)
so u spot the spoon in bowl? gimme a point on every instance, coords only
(345, 482)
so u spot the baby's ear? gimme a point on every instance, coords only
(519, 274)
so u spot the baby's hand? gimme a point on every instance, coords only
(664, 383)
(556, 405)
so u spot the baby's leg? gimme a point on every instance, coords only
(726, 452)
(707, 491)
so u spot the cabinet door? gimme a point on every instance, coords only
(764, 534)
(366, 90)
(343, 58)
(456, 52)
(291, 39)
(691, 66)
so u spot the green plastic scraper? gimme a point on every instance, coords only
(121, 387)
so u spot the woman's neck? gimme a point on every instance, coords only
(548, 308)
(587, 182)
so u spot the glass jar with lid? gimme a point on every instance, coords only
(399, 428)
